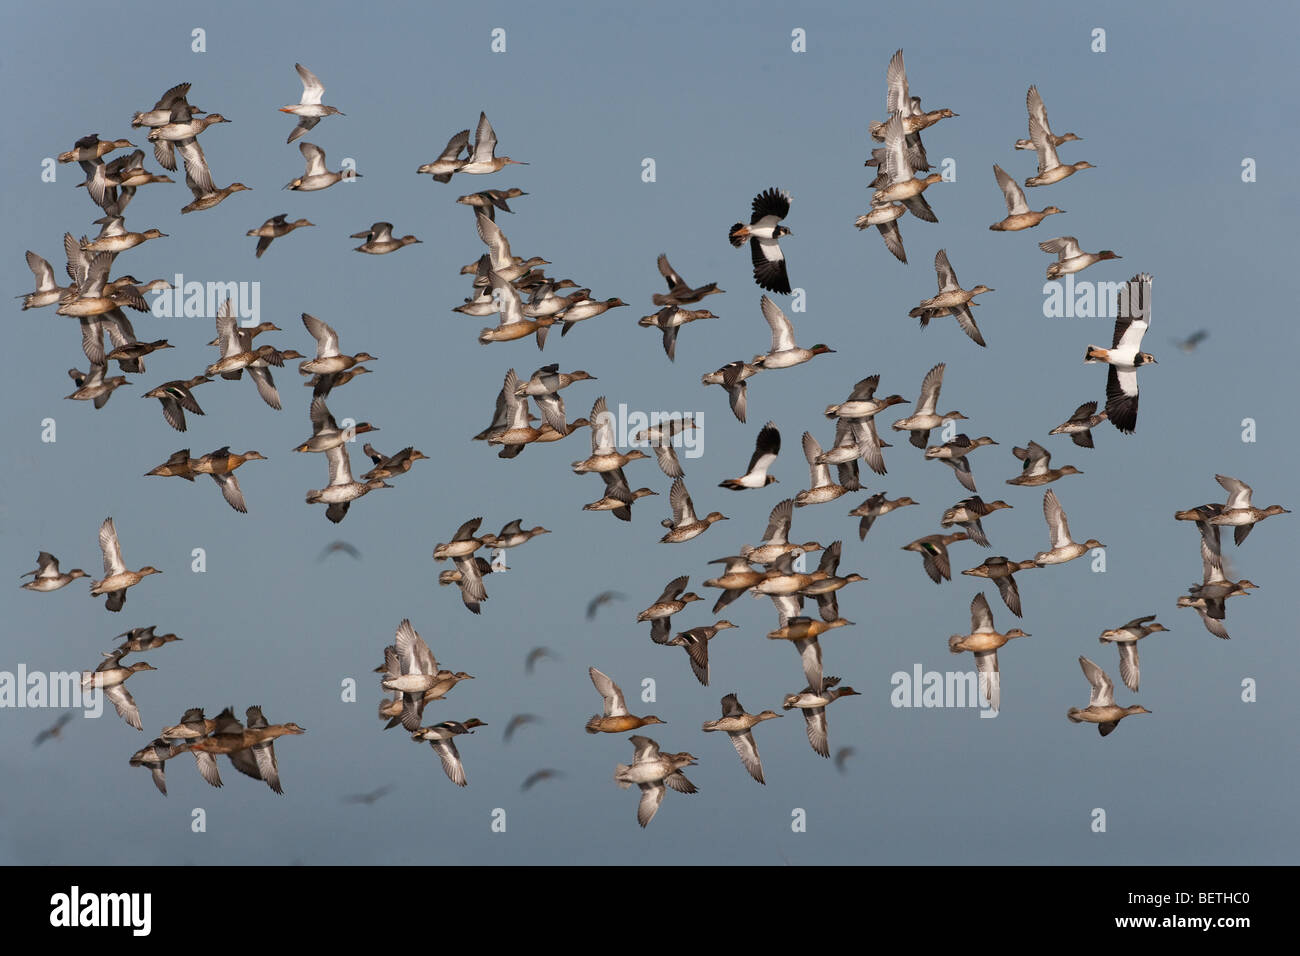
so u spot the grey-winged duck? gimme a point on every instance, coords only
(1034, 104)
(615, 718)
(442, 738)
(983, 641)
(1079, 425)
(821, 488)
(933, 549)
(342, 489)
(813, 703)
(47, 576)
(1126, 638)
(1239, 514)
(926, 416)
(660, 438)
(968, 513)
(1019, 215)
(670, 602)
(1050, 168)
(1102, 709)
(1070, 258)
(874, 507)
(1036, 469)
(952, 300)
(380, 239)
(684, 524)
(1064, 548)
(696, 644)
(653, 770)
(732, 378)
(954, 455)
(1001, 571)
(116, 577)
(110, 678)
(784, 352)
(274, 228)
(679, 291)
(738, 725)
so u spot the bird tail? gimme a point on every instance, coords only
(593, 725)
(738, 234)
(1088, 356)
(954, 643)
(1072, 714)
(619, 771)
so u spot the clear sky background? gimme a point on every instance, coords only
(718, 99)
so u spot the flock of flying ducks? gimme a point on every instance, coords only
(529, 303)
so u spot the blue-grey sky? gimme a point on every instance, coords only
(725, 108)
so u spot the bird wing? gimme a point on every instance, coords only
(231, 491)
(1238, 492)
(1011, 191)
(615, 704)
(125, 704)
(1041, 137)
(748, 752)
(652, 795)
(312, 88)
(450, 757)
(315, 157)
(485, 141)
(770, 207)
(1063, 247)
(679, 500)
(108, 543)
(897, 98)
(1057, 526)
(981, 617)
(1133, 315)
(815, 725)
(1122, 398)
(782, 330)
(327, 340)
(930, 386)
(947, 276)
(1103, 690)
(602, 428)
